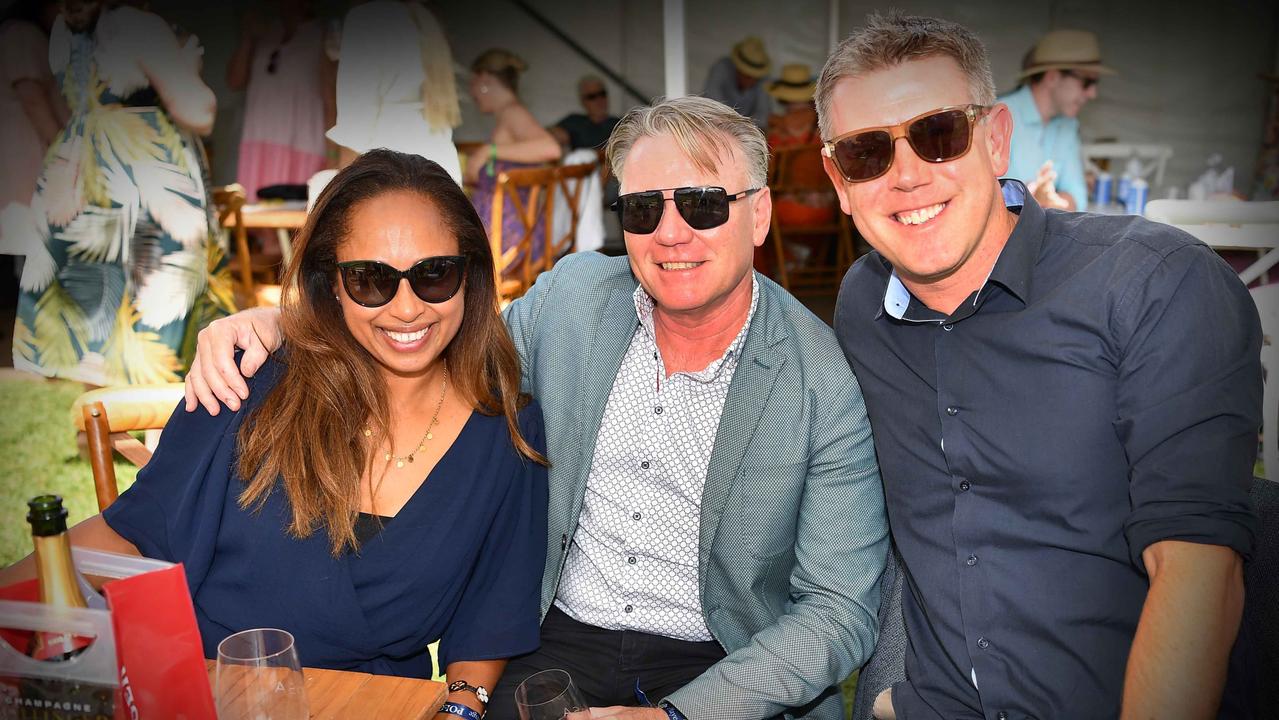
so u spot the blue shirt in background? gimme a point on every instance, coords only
(1035, 142)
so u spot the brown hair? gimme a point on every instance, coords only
(504, 65)
(307, 435)
(889, 40)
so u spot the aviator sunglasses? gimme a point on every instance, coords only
(701, 207)
(936, 136)
(373, 284)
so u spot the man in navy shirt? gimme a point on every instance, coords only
(1065, 408)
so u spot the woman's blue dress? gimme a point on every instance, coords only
(460, 563)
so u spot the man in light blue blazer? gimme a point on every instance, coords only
(716, 523)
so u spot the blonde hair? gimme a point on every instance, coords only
(700, 126)
(439, 88)
(892, 39)
(504, 65)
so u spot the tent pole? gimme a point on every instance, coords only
(673, 42)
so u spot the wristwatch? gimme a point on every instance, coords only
(479, 691)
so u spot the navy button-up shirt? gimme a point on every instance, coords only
(1101, 392)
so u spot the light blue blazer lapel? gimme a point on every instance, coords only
(612, 336)
(753, 380)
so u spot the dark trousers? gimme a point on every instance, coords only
(605, 664)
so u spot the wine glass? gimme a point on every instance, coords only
(259, 677)
(550, 695)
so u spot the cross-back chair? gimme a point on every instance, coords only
(105, 417)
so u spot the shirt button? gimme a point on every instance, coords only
(952, 411)
(636, 516)
(1002, 715)
(982, 642)
(964, 485)
(658, 409)
(947, 327)
(972, 560)
(631, 559)
(644, 464)
(628, 608)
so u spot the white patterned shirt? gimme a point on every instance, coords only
(634, 560)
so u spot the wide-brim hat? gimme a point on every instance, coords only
(750, 57)
(1065, 50)
(796, 84)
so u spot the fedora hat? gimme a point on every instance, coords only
(796, 84)
(750, 57)
(1065, 50)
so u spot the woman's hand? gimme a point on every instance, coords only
(214, 376)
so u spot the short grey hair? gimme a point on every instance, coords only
(889, 40)
(702, 127)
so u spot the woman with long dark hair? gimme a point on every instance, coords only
(386, 485)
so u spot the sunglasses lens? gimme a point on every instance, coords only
(864, 156)
(437, 279)
(702, 207)
(370, 283)
(941, 136)
(640, 212)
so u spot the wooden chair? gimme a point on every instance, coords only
(570, 180)
(798, 170)
(531, 191)
(104, 418)
(229, 201)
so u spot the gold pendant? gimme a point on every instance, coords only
(399, 463)
(429, 436)
(368, 432)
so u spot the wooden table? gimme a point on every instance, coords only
(283, 218)
(340, 695)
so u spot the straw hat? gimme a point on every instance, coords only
(1065, 50)
(796, 84)
(751, 58)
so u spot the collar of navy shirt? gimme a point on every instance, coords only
(1013, 269)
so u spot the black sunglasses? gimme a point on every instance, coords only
(373, 284)
(936, 136)
(595, 95)
(701, 207)
(1084, 80)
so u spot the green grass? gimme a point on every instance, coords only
(39, 455)
(38, 447)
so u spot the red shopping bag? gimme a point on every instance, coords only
(160, 668)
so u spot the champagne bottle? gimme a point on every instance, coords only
(59, 581)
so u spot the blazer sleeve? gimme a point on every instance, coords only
(499, 612)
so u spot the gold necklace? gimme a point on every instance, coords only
(421, 444)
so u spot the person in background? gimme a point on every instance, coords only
(32, 110)
(738, 80)
(124, 272)
(592, 128)
(796, 126)
(518, 140)
(395, 85)
(1059, 76)
(389, 427)
(289, 103)
(1067, 475)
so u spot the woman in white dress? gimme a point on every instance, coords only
(395, 85)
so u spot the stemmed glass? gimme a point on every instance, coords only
(259, 677)
(550, 695)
